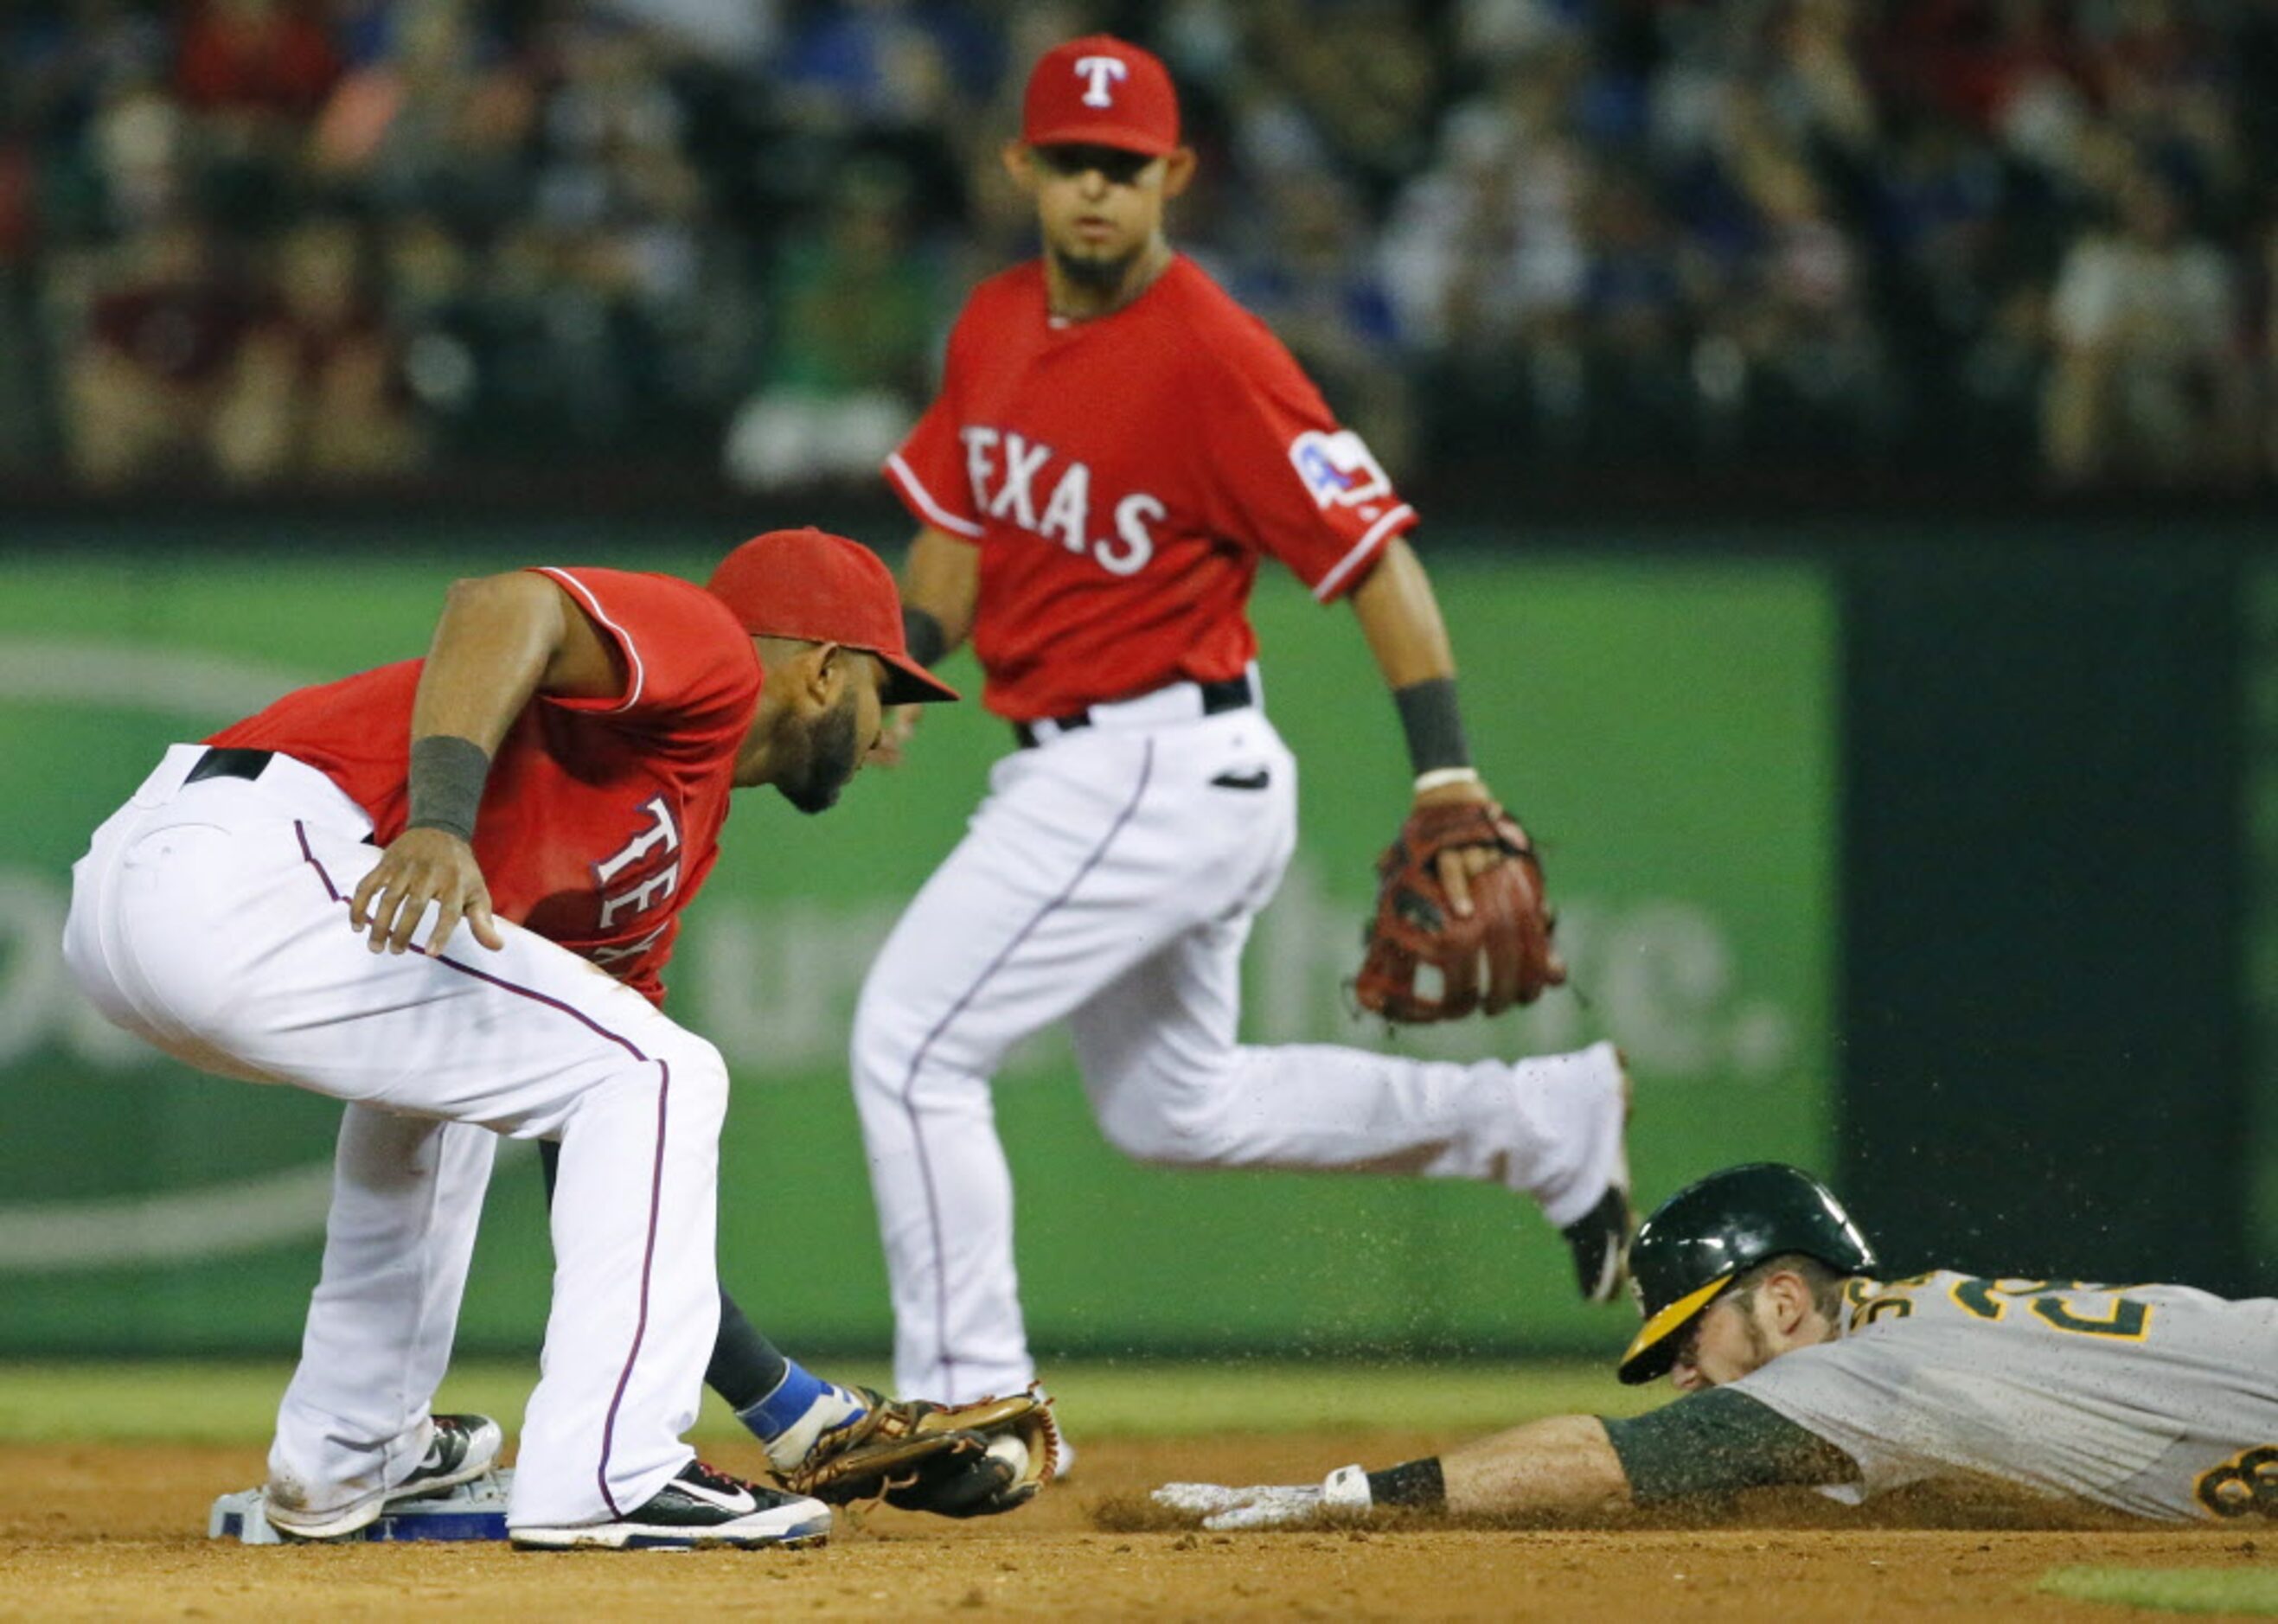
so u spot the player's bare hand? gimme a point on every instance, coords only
(419, 867)
(1458, 864)
(894, 735)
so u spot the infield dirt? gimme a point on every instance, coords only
(116, 1531)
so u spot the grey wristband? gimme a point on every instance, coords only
(1435, 727)
(447, 775)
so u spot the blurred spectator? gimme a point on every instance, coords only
(432, 122)
(1368, 77)
(1633, 298)
(855, 310)
(251, 61)
(881, 62)
(253, 73)
(147, 382)
(22, 375)
(1311, 277)
(1513, 238)
(2149, 378)
(317, 395)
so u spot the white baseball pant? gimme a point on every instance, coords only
(1109, 878)
(211, 918)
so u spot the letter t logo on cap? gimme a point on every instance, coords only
(1102, 72)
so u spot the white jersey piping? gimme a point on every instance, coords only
(624, 639)
(933, 510)
(1360, 551)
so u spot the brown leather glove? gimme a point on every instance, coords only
(1499, 954)
(955, 1460)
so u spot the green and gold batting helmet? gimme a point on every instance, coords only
(1709, 1233)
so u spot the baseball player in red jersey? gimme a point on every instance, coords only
(1115, 448)
(553, 776)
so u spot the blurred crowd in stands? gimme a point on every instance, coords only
(253, 242)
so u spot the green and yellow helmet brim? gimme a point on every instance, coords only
(1655, 1348)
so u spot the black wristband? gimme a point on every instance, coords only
(1419, 1483)
(922, 631)
(447, 775)
(1435, 727)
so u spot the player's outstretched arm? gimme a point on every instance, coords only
(940, 585)
(1561, 1465)
(1713, 1443)
(499, 639)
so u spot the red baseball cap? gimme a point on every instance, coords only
(820, 588)
(1099, 91)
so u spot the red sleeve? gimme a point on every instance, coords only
(1285, 478)
(689, 667)
(928, 472)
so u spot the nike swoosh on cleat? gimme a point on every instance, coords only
(740, 1504)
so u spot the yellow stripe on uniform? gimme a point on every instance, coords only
(1672, 1318)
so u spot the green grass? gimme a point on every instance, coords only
(2173, 1589)
(236, 1403)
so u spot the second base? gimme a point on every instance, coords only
(471, 1511)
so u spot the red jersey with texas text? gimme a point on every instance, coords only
(1122, 478)
(601, 817)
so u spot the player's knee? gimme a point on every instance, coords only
(904, 1056)
(1171, 1128)
(697, 1075)
(1139, 1135)
(882, 1045)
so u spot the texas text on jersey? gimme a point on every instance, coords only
(1212, 451)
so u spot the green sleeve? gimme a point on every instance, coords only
(1717, 1441)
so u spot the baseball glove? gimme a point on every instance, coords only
(953, 1459)
(1498, 955)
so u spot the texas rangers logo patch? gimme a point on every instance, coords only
(1338, 469)
(1101, 72)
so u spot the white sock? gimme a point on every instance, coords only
(835, 1407)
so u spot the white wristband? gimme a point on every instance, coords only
(1346, 1488)
(1439, 777)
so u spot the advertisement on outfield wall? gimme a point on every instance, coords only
(1664, 728)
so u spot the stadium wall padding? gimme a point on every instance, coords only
(1671, 721)
(2043, 1007)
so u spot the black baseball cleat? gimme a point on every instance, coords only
(1600, 1239)
(701, 1506)
(463, 1449)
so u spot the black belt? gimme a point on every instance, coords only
(219, 761)
(1231, 694)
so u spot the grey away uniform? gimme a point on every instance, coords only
(2157, 1400)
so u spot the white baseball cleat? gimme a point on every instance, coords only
(463, 1448)
(700, 1508)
